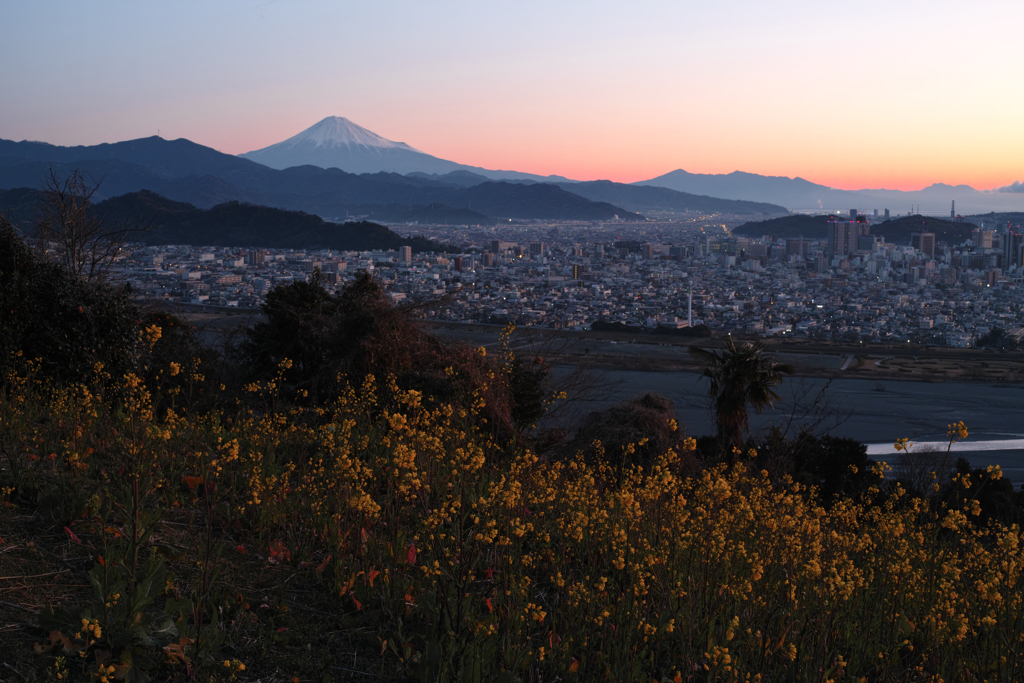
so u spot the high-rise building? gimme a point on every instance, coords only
(887, 214)
(842, 237)
(537, 249)
(405, 255)
(982, 239)
(797, 247)
(924, 242)
(1013, 242)
(648, 250)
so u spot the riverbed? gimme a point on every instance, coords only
(873, 412)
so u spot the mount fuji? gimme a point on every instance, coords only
(336, 142)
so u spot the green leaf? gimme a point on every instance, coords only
(169, 551)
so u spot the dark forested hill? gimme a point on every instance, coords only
(435, 214)
(242, 225)
(797, 225)
(20, 206)
(538, 200)
(897, 231)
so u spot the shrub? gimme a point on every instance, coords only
(634, 432)
(69, 324)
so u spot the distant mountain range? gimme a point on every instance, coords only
(184, 171)
(802, 195)
(336, 142)
(649, 199)
(644, 199)
(336, 168)
(897, 231)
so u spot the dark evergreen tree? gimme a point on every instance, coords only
(70, 325)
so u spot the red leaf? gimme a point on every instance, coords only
(279, 552)
(410, 557)
(71, 535)
(358, 605)
(490, 607)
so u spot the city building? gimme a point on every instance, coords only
(842, 236)
(924, 242)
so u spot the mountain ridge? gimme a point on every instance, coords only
(799, 194)
(185, 171)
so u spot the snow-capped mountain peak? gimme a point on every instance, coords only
(336, 142)
(337, 131)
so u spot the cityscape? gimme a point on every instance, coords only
(669, 274)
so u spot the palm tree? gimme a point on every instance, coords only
(737, 377)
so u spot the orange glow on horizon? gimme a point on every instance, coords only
(615, 162)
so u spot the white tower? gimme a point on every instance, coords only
(689, 308)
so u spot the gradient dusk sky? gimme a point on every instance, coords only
(893, 93)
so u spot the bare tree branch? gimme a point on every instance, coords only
(69, 228)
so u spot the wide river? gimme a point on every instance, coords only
(873, 412)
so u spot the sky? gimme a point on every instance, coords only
(893, 94)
